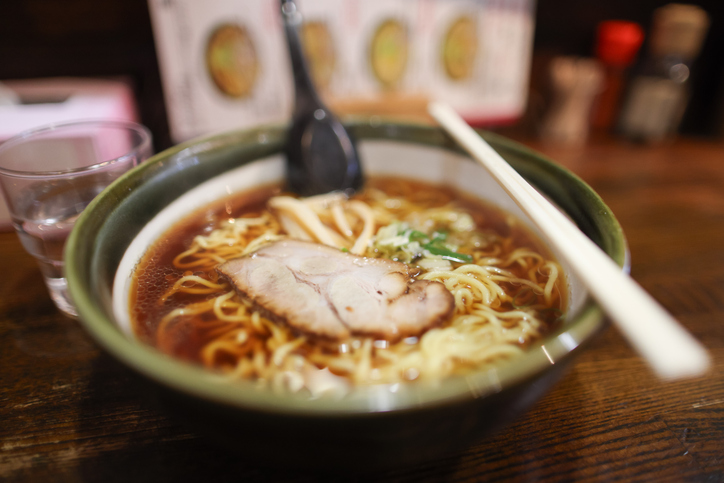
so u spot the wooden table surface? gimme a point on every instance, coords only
(68, 412)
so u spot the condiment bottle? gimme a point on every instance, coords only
(575, 83)
(617, 44)
(658, 93)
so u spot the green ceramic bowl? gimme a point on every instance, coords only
(374, 426)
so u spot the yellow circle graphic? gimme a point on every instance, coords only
(319, 51)
(231, 60)
(460, 48)
(389, 52)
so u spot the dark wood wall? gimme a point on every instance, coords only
(45, 38)
(85, 38)
(568, 27)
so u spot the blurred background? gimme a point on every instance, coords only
(125, 58)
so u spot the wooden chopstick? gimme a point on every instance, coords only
(669, 349)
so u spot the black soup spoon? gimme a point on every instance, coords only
(321, 155)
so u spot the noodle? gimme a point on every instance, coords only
(507, 291)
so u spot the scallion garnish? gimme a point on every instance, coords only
(518, 303)
(447, 254)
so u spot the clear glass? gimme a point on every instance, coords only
(50, 174)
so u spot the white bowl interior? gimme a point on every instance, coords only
(381, 157)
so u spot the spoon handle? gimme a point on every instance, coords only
(306, 99)
(670, 350)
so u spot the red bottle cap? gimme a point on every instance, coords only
(618, 42)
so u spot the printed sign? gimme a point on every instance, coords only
(225, 64)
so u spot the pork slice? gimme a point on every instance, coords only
(325, 292)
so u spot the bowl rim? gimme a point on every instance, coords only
(200, 383)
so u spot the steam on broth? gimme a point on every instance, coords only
(507, 289)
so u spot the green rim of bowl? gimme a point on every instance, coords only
(118, 213)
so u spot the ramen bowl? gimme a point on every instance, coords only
(373, 426)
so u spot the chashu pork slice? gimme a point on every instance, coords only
(323, 291)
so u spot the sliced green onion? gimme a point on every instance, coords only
(448, 254)
(440, 235)
(417, 235)
(522, 294)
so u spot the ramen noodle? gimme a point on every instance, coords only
(507, 289)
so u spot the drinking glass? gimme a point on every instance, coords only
(49, 175)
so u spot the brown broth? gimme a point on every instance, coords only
(155, 273)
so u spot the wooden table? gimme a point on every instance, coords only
(69, 412)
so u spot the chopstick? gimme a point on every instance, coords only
(668, 348)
